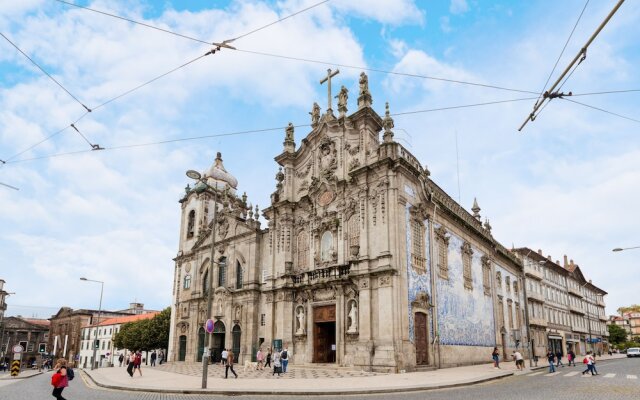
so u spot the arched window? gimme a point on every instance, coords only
(222, 271)
(205, 281)
(303, 251)
(326, 246)
(353, 227)
(418, 260)
(235, 336)
(187, 282)
(467, 253)
(238, 275)
(191, 223)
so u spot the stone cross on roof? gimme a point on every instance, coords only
(330, 74)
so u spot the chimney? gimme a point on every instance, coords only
(549, 258)
(566, 264)
(540, 251)
(571, 263)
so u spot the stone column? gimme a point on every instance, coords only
(340, 328)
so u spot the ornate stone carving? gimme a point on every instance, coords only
(327, 159)
(364, 98)
(324, 294)
(223, 226)
(384, 280)
(304, 171)
(352, 317)
(300, 317)
(364, 283)
(315, 115)
(421, 301)
(342, 97)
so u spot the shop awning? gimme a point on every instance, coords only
(555, 337)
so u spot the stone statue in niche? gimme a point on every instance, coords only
(219, 308)
(300, 317)
(353, 318)
(238, 313)
(327, 157)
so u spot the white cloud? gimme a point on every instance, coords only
(458, 6)
(394, 12)
(445, 24)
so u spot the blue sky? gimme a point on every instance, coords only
(568, 184)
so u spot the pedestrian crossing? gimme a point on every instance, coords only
(558, 374)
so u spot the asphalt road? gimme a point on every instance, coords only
(615, 382)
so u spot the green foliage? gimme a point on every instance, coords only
(631, 308)
(146, 334)
(617, 334)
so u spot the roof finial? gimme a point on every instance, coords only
(387, 124)
(289, 144)
(476, 210)
(364, 100)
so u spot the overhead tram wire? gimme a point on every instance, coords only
(291, 58)
(563, 49)
(45, 72)
(579, 58)
(602, 110)
(245, 132)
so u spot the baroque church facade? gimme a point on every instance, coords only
(364, 262)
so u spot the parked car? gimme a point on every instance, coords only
(633, 352)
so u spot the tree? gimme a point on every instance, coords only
(631, 308)
(145, 334)
(617, 334)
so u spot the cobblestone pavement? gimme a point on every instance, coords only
(293, 372)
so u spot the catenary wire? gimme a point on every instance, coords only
(245, 132)
(606, 92)
(602, 110)
(265, 54)
(563, 49)
(45, 72)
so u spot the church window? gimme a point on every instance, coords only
(187, 282)
(303, 251)
(515, 288)
(442, 248)
(238, 275)
(500, 314)
(326, 246)
(263, 318)
(417, 246)
(191, 223)
(507, 283)
(510, 311)
(222, 271)
(205, 281)
(467, 252)
(486, 275)
(499, 279)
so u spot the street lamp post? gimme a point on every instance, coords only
(195, 175)
(95, 338)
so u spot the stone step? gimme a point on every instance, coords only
(323, 366)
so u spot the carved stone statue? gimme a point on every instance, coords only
(288, 137)
(219, 307)
(364, 84)
(315, 115)
(342, 97)
(364, 99)
(300, 316)
(238, 313)
(353, 318)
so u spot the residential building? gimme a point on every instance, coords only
(102, 337)
(634, 324)
(623, 322)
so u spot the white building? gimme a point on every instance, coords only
(106, 353)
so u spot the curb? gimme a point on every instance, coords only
(415, 388)
(10, 378)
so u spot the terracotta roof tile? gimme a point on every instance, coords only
(128, 318)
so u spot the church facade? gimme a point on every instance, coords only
(364, 262)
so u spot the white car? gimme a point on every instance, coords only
(633, 352)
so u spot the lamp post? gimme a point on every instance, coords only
(625, 248)
(95, 338)
(195, 175)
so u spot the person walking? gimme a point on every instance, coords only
(593, 363)
(137, 363)
(225, 354)
(130, 362)
(559, 359)
(551, 358)
(268, 361)
(59, 380)
(277, 366)
(496, 357)
(284, 359)
(588, 361)
(120, 359)
(571, 357)
(161, 357)
(229, 365)
(153, 358)
(260, 359)
(519, 360)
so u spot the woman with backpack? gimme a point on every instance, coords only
(60, 379)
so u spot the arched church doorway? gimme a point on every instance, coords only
(421, 338)
(182, 348)
(235, 336)
(200, 343)
(324, 334)
(218, 341)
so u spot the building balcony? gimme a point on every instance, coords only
(322, 275)
(578, 329)
(576, 309)
(535, 296)
(538, 322)
(600, 302)
(532, 272)
(575, 291)
(603, 318)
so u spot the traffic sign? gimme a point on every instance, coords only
(17, 348)
(208, 326)
(15, 367)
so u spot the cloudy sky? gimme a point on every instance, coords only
(567, 184)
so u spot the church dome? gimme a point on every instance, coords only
(217, 176)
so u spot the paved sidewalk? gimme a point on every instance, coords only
(186, 378)
(26, 373)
